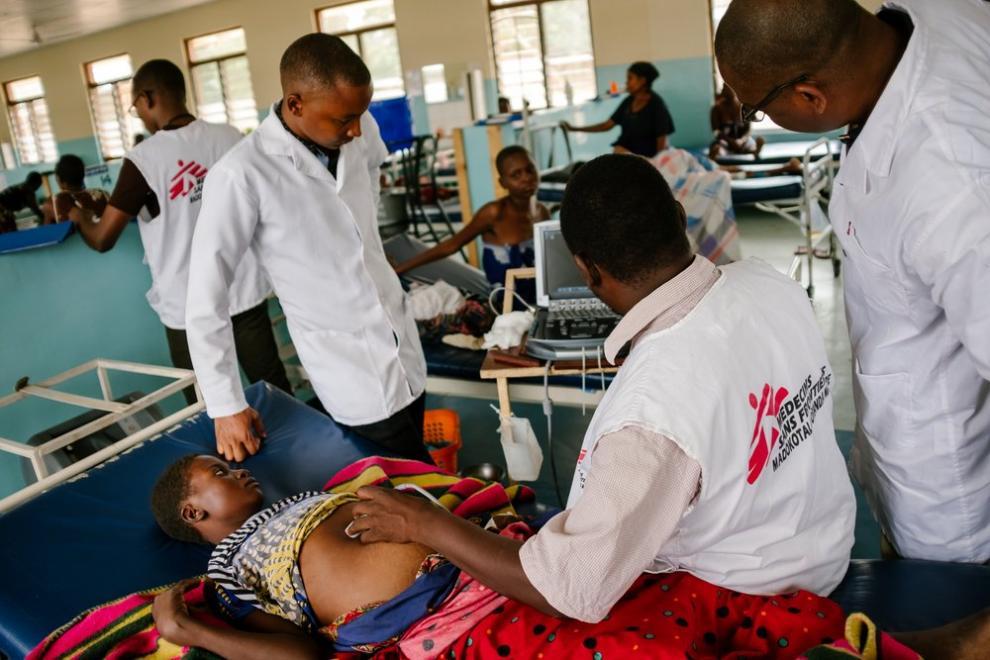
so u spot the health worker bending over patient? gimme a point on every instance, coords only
(713, 451)
(301, 193)
(911, 208)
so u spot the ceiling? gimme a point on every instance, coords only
(29, 24)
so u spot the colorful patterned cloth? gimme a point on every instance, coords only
(123, 629)
(669, 616)
(706, 194)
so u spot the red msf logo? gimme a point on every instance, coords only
(766, 407)
(184, 182)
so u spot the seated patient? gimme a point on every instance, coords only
(286, 573)
(18, 197)
(505, 225)
(70, 175)
(732, 132)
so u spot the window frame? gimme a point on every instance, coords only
(123, 114)
(543, 51)
(360, 31)
(10, 105)
(192, 64)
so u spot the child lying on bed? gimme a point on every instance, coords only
(297, 585)
(287, 574)
(505, 225)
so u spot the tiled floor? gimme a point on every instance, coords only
(763, 236)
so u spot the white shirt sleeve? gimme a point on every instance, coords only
(224, 232)
(376, 152)
(585, 559)
(952, 256)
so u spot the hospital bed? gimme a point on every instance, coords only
(778, 153)
(71, 544)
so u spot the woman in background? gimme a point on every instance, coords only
(642, 116)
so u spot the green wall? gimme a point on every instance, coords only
(64, 305)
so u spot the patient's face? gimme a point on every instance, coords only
(519, 175)
(227, 496)
(331, 117)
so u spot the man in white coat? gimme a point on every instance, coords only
(300, 194)
(911, 208)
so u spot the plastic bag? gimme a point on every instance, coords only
(523, 455)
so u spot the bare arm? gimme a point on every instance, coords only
(606, 125)
(102, 235)
(491, 559)
(481, 222)
(269, 637)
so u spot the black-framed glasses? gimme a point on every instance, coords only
(133, 109)
(757, 112)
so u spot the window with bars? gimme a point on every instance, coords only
(543, 51)
(368, 27)
(109, 83)
(30, 121)
(221, 79)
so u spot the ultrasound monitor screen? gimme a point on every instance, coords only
(562, 277)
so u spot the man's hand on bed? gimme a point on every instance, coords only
(239, 435)
(171, 614)
(385, 515)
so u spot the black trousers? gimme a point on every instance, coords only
(254, 341)
(401, 434)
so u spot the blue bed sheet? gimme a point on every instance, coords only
(94, 539)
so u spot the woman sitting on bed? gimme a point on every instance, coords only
(505, 225)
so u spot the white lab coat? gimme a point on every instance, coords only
(911, 208)
(318, 241)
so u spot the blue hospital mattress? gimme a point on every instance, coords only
(766, 189)
(94, 539)
(41, 236)
(780, 152)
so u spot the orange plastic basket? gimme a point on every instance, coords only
(442, 435)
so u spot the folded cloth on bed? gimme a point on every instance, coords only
(125, 628)
(706, 194)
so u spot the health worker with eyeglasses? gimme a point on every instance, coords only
(911, 208)
(161, 184)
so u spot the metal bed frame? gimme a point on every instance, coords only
(818, 175)
(116, 411)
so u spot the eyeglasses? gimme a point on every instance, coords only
(757, 112)
(133, 109)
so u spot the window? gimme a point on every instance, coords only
(368, 27)
(434, 83)
(29, 121)
(221, 79)
(543, 51)
(109, 83)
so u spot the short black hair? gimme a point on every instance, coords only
(323, 60)
(773, 40)
(508, 152)
(33, 180)
(645, 70)
(170, 491)
(162, 77)
(619, 213)
(71, 169)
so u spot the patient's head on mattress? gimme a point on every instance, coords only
(201, 499)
